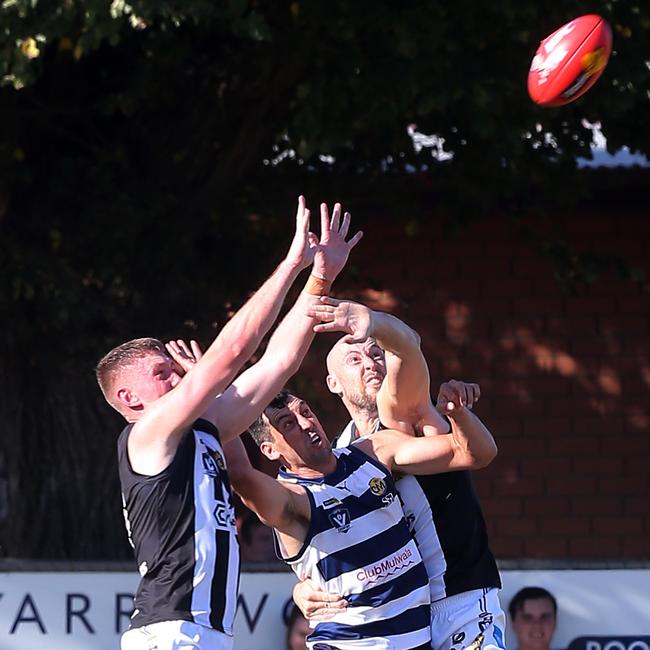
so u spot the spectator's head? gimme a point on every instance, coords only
(297, 627)
(256, 540)
(533, 612)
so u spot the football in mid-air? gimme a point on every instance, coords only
(569, 61)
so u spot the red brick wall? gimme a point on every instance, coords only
(565, 379)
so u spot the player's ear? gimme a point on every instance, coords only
(268, 449)
(128, 398)
(333, 385)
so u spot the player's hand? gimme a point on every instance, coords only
(346, 316)
(315, 604)
(333, 251)
(304, 244)
(183, 355)
(454, 396)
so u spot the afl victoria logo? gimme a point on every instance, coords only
(340, 519)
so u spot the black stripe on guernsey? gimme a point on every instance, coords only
(388, 591)
(411, 620)
(365, 553)
(218, 597)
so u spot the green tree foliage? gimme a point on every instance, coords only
(145, 148)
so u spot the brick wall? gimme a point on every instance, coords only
(565, 379)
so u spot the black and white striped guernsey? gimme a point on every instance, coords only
(445, 517)
(181, 524)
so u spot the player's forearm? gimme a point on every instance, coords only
(259, 492)
(404, 396)
(394, 335)
(245, 330)
(239, 338)
(292, 337)
(474, 445)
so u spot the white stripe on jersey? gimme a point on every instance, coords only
(211, 514)
(420, 519)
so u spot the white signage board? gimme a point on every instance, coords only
(88, 611)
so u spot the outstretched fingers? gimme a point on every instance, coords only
(324, 223)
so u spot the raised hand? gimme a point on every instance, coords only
(333, 251)
(304, 245)
(343, 316)
(183, 355)
(455, 395)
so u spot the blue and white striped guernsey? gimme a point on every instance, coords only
(358, 545)
(446, 520)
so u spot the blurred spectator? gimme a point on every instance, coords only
(256, 540)
(297, 626)
(533, 612)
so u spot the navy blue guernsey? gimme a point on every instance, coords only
(181, 524)
(358, 545)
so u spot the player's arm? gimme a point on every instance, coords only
(470, 444)
(155, 436)
(238, 407)
(403, 401)
(284, 506)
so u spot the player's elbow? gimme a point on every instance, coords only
(242, 349)
(485, 456)
(415, 340)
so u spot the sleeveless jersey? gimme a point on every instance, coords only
(446, 520)
(181, 524)
(358, 545)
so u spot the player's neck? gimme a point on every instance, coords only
(365, 422)
(316, 469)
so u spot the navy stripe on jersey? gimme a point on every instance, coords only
(375, 596)
(386, 543)
(356, 506)
(410, 621)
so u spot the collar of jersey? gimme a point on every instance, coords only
(331, 479)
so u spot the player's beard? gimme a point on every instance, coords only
(363, 401)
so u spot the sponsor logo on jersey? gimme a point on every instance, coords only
(340, 519)
(225, 516)
(388, 567)
(210, 466)
(377, 486)
(331, 502)
(459, 637)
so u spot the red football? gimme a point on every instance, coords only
(569, 61)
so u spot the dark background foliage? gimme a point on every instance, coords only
(151, 153)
